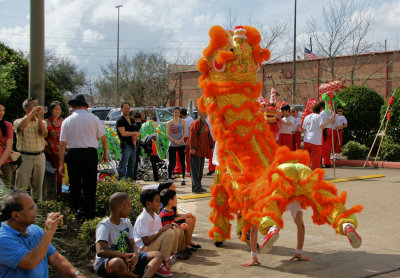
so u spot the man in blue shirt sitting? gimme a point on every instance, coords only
(25, 249)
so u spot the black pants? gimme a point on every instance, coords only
(172, 159)
(196, 169)
(82, 172)
(154, 159)
(138, 151)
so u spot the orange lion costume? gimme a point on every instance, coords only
(256, 179)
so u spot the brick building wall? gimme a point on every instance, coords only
(379, 70)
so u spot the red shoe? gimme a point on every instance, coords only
(269, 241)
(352, 235)
(164, 272)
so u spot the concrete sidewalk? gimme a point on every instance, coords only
(331, 255)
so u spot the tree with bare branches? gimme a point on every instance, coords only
(343, 30)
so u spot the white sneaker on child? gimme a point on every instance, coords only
(172, 259)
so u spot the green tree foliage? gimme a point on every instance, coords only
(65, 74)
(6, 82)
(393, 129)
(143, 80)
(19, 74)
(362, 112)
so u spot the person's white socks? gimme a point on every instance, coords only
(345, 225)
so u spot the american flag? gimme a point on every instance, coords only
(308, 54)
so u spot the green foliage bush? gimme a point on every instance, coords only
(111, 185)
(389, 152)
(393, 129)
(362, 112)
(104, 190)
(46, 207)
(88, 232)
(13, 99)
(355, 150)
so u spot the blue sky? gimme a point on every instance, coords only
(86, 31)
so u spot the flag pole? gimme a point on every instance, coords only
(377, 134)
(333, 143)
(380, 145)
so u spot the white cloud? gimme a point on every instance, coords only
(16, 37)
(89, 36)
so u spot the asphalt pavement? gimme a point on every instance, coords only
(331, 254)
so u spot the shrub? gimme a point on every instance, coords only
(390, 152)
(111, 185)
(354, 150)
(362, 112)
(393, 129)
(45, 207)
(88, 234)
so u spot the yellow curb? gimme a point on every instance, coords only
(195, 196)
(356, 178)
(205, 195)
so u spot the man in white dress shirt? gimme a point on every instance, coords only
(80, 133)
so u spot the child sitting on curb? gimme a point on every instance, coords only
(187, 218)
(150, 235)
(116, 255)
(167, 214)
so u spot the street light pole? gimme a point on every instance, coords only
(118, 6)
(294, 57)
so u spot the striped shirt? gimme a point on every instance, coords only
(167, 217)
(30, 139)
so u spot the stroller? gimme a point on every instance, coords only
(150, 164)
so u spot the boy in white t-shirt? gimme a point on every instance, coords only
(313, 125)
(116, 253)
(285, 128)
(296, 133)
(150, 235)
(341, 122)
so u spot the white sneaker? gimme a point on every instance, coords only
(172, 259)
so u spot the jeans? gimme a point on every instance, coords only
(127, 162)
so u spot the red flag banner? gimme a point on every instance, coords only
(390, 101)
(388, 116)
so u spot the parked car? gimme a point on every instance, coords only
(100, 112)
(158, 115)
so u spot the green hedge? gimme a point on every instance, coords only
(355, 150)
(390, 152)
(69, 222)
(110, 186)
(393, 129)
(88, 232)
(362, 112)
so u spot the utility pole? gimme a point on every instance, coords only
(294, 57)
(118, 6)
(36, 64)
